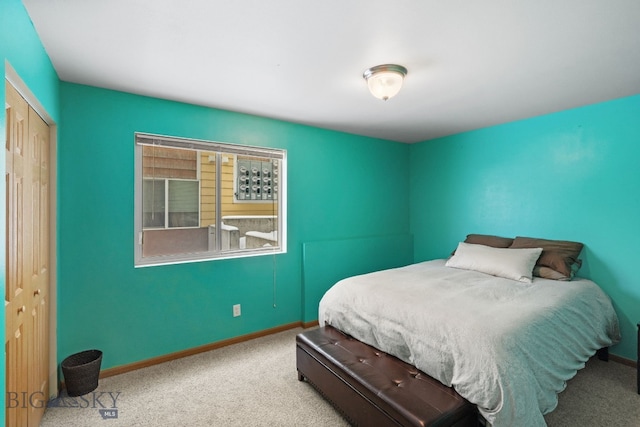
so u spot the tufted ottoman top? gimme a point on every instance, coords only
(396, 387)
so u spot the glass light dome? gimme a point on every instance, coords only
(385, 81)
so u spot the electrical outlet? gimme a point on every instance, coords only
(236, 310)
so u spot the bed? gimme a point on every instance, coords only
(506, 343)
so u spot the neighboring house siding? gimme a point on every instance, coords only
(182, 164)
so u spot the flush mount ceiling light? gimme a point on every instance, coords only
(385, 81)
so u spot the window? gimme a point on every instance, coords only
(169, 203)
(199, 200)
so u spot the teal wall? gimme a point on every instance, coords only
(572, 175)
(347, 258)
(340, 186)
(21, 48)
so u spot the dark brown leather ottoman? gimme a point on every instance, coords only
(372, 388)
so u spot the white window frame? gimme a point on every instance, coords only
(142, 139)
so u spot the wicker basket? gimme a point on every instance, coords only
(81, 372)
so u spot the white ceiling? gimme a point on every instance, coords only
(471, 63)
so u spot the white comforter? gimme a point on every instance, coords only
(506, 346)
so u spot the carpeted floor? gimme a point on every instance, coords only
(255, 383)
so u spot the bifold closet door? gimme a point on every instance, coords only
(27, 270)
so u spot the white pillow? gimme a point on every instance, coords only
(516, 264)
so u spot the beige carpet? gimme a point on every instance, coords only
(255, 383)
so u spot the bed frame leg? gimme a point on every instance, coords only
(603, 354)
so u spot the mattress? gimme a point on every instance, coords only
(507, 346)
